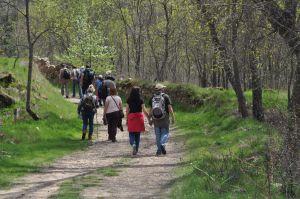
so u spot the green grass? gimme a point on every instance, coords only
(28, 145)
(225, 155)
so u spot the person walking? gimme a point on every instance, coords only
(64, 78)
(75, 75)
(87, 108)
(111, 114)
(108, 84)
(161, 109)
(135, 119)
(99, 89)
(87, 78)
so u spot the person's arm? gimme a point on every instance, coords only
(81, 79)
(145, 112)
(127, 111)
(79, 107)
(120, 104)
(171, 111)
(105, 107)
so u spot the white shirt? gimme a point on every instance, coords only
(112, 106)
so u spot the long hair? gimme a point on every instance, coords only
(135, 94)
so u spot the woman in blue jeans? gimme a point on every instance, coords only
(135, 118)
(87, 109)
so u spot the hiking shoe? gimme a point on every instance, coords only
(158, 153)
(163, 150)
(134, 150)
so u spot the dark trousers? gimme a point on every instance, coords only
(134, 139)
(112, 122)
(75, 83)
(88, 121)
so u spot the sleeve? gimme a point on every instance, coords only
(150, 102)
(167, 99)
(79, 106)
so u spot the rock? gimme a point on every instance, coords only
(6, 79)
(6, 100)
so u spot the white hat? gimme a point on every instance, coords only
(159, 86)
(100, 76)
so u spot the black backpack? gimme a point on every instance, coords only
(66, 74)
(158, 106)
(88, 103)
(89, 75)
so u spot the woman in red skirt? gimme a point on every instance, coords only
(135, 118)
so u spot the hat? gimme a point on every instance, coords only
(100, 77)
(159, 86)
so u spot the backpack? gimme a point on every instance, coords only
(66, 74)
(88, 103)
(158, 106)
(88, 76)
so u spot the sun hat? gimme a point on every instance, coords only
(159, 86)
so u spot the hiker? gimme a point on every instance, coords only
(161, 108)
(87, 78)
(99, 89)
(87, 108)
(64, 78)
(75, 75)
(108, 84)
(135, 119)
(111, 114)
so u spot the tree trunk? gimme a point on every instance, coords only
(257, 100)
(30, 64)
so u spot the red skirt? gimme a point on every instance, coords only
(136, 122)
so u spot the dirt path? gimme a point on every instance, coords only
(143, 176)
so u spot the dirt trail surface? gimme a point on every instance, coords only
(141, 176)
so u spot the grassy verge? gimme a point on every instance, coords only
(27, 145)
(226, 154)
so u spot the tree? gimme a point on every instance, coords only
(284, 21)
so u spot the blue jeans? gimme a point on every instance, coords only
(74, 84)
(162, 137)
(134, 139)
(88, 120)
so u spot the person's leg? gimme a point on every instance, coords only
(79, 89)
(164, 139)
(115, 122)
(158, 138)
(67, 89)
(131, 138)
(91, 125)
(62, 91)
(137, 140)
(74, 87)
(84, 126)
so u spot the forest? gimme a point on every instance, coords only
(246, 47)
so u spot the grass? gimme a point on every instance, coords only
(28, 145)
(226, 154)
